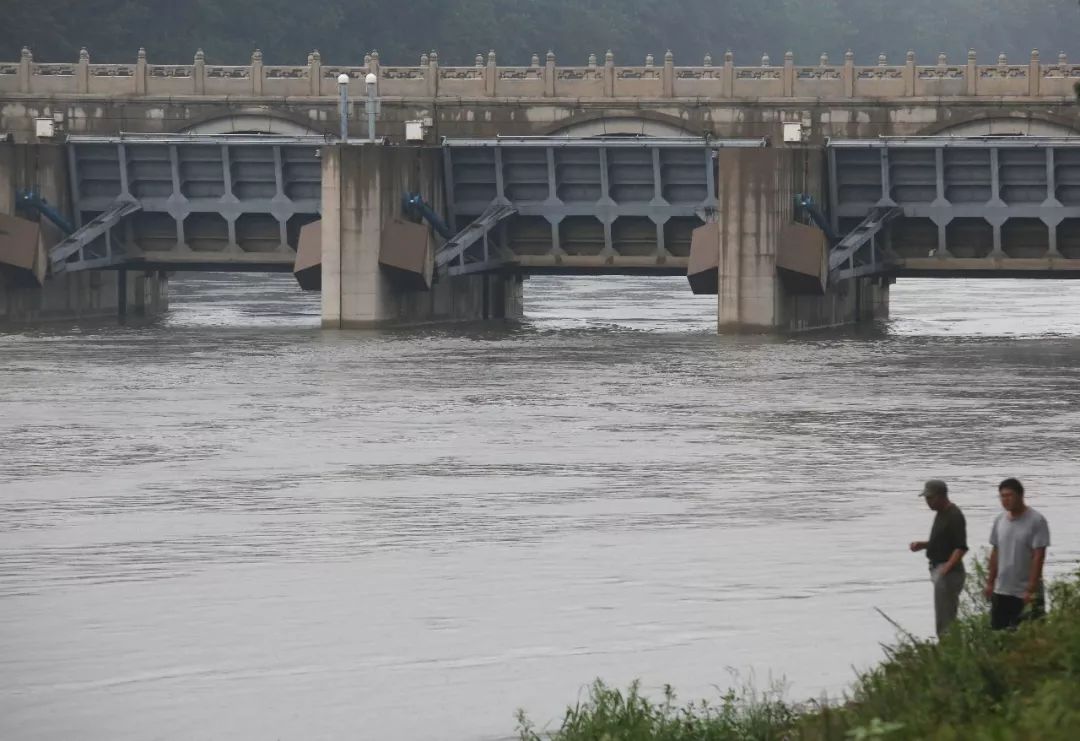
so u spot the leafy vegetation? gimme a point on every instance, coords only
(975, 684)
(342, 30)
(611, 715)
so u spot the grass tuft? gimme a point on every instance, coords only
(975, 684)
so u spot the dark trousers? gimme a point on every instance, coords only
(947, 591)
(1007, 612)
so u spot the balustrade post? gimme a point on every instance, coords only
(26, 69)
(909, 73)
(727, 82)
(609, 74)
(82, 72)
(1034, 74)
(848, 74)
(257, 73)
(198, 72)
(490, 74)
(789, 74)
(549, 75)
(314, 61)
(140, 72)
(971, 74)
(669, 74)
(433, 74)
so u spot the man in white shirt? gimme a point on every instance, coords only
(1020, 537)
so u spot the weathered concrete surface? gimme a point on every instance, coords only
(361, 196)
(92, 294)
(755, 190)
(84, 295)
(487, 117)
(21, 251)
(1032, 77)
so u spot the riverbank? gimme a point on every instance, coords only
(974, 684)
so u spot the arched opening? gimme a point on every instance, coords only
(622, 126)
(1006, 126)
(251, 123)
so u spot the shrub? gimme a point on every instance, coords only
(974, 684)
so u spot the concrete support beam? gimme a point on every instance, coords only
(355, 292)
(751, 215)
(66, 297)
(755, 191)
(90, 294)
(7, 178)
(362, 187)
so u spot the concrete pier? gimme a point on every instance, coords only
(362, 187)
(92, 294)
(97, 294)
(771, 271)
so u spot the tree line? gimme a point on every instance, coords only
(343, 30)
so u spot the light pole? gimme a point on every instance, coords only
(343, 93)
(372, 104)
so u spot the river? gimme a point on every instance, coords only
(230, 524)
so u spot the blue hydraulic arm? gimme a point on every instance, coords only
(413, 203)
(31, 200)
(806, 203)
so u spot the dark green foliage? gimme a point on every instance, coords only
(609, 714)
(229, 30)
(975, 685)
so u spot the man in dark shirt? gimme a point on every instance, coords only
(945, 550)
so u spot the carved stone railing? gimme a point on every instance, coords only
(542, 78)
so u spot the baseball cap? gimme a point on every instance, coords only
(935, 487)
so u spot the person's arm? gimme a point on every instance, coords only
(917, 545)
(959, 539)
(954, 558)
(1040, 541)
(1038, 557)
(991, 573)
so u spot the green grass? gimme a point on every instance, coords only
(975, 685)
(610, 714)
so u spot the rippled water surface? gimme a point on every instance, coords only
(230, 524)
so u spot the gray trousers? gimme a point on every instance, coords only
(947, 591)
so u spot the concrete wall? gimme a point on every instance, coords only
(91, 294)
(42, 165)
(755, 192)
(7, 178)
(84, 295)
(487, 117)
(362, 186)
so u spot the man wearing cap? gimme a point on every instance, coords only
(945, 550)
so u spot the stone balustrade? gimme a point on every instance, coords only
(598, 78)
